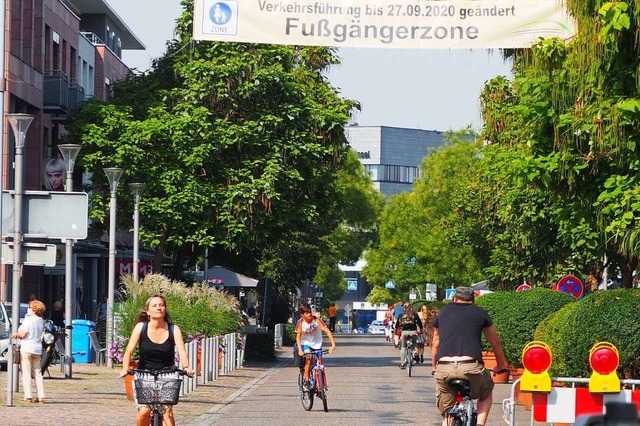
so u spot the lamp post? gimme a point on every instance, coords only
(113, 174)
(136, 189)
(69, 153)
(19, 125)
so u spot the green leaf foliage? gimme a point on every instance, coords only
(516, 315)
(603, 316)
(242, 150)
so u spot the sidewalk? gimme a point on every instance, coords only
(96, 395)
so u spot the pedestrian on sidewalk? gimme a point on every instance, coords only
(30, 335)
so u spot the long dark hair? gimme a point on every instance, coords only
(142, 315)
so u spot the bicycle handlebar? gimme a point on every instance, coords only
(316, 353)
(156, 373)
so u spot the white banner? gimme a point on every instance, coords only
(423, 24)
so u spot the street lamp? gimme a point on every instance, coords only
(19, 125)
(113, 174)
(69, 153)
(136, 189)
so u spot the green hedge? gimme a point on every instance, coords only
(289, 338)
(516, 315)
(610, 316)
(549, 332)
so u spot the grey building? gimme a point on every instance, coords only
(392, 155)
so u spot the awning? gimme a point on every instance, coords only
(219, 276)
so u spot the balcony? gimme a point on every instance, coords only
(61, 97)
(56, 93)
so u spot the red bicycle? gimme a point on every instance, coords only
(317, 381)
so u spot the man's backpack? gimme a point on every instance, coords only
(406, 318)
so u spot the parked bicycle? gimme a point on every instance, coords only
(157, 389)
(317, 381)
(410, 341)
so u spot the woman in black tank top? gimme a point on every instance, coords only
(158, 340)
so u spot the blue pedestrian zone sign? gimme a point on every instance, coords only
(352, 284)
(449, 293)
(390, 284)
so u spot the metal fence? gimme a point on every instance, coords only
(212, 357)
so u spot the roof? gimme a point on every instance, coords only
(100, 7)
(222, 276)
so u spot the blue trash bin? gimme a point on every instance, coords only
(80, 341)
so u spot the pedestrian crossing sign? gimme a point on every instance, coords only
(352, 284)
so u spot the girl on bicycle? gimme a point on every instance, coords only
(158, 339)
(309, 337)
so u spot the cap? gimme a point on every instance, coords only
(464, 293)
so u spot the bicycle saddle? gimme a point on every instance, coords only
(461, 385)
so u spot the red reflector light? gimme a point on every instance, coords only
(604, 360)
(536, 359)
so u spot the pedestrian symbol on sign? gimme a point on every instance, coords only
(352, 284)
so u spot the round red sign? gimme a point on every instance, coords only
(570, 284)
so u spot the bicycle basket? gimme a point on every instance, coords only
(168, 390)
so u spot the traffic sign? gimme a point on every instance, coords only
(32, 254)
(54, 215)
(352, 285)
(390, 284)
(449, 293)
(570, 284)
(523, 287)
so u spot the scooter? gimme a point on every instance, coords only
(52, 348)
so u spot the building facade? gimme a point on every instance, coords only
(392, 155)
(58, 54)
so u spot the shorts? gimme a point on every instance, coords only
(478, 376)
(308, 349)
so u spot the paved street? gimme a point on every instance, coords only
(366, 387)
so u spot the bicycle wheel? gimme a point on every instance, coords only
(306, 397)
(409, 360)
(322, 393)
(156, 418)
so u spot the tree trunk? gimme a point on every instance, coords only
(159, 253)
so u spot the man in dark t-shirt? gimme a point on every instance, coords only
(456, 352)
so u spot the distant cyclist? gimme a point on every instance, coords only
(410, 324)
(457, 352)
(309, 338)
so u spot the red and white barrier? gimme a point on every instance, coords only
(564, 405)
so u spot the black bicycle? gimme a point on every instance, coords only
(157, 389)
(410, 342)
(317, 381)
(464, 413)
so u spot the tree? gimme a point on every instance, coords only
(417, 239)
(239, 145)
(572, 116)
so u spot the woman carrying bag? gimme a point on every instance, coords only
(30, 334)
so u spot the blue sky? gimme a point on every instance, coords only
(421, 89)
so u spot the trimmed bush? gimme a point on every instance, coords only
(548, 331)
(610, 316)
(516, 315)
(289, 338)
